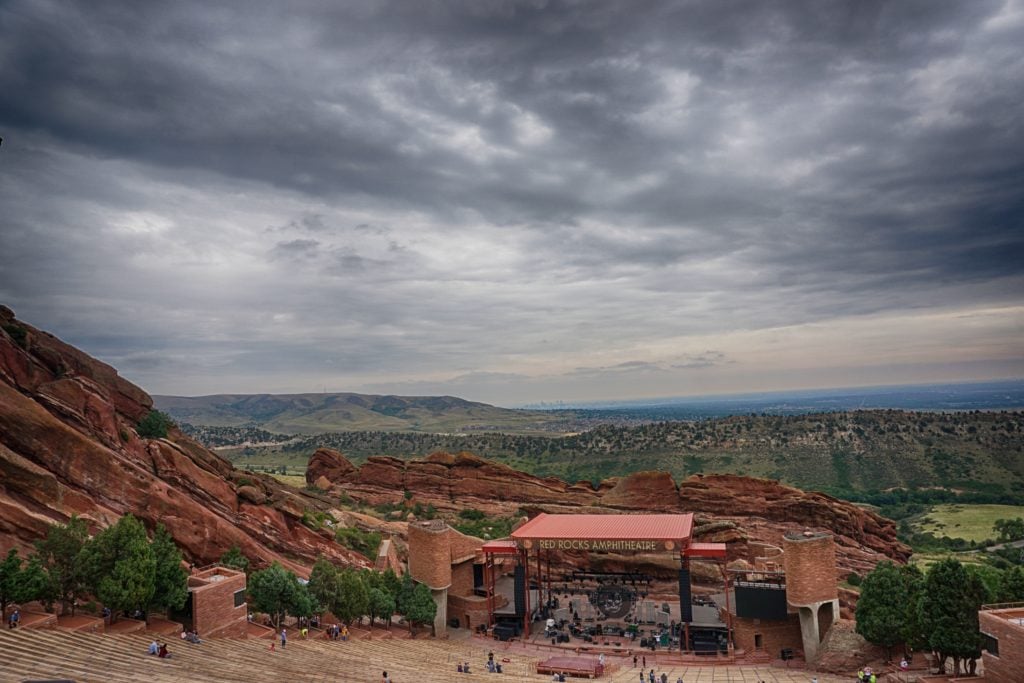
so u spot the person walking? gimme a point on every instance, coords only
(284, 638)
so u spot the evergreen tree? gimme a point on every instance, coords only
(1011, 585)
(353, 598)
(391, 583)
(235, 559)
(381, 604)
(170, 580)
(12, 582)
(881, 607)
(59, 554)
(275, 591)
(403, 599)
(324, 586)
(120, 567)
(422, 609)
(914, 635)
(949, 610)
(303, 605)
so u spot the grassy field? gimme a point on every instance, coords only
(969, 522)
(296, 480)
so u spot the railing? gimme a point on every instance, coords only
(1002, 605)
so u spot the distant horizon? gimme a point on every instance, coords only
(651, 401)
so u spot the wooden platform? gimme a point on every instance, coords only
(571, 666)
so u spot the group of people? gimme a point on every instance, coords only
(866, 675)
(652, 678)
(159, 649)
(191, 637)
(335, 632)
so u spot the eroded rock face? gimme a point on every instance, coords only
(730, 508)
(68, 446)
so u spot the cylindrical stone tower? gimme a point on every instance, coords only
(430, 563)
(811, 585)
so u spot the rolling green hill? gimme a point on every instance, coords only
(318, 413)
(842, 452)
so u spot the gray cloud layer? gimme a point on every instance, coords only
(517, 200)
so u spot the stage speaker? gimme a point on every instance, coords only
(520, 590)
(685, 604)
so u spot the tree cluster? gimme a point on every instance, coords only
(937, 611)
(348, 593)
(119, 566)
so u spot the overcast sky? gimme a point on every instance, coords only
(518, 201)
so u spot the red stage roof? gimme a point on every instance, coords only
(706, 550)
(607, 527)
(500, 547)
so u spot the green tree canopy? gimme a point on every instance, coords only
(914, 635)
(381, 604)
(235, 559)
(170, 580)
(1011, 585)
(949, 609)
(120, 567)
(1009, 529)
(154, 425)
(421, 608)
(13, 587)
(59, 554)
(353, 597)
(275, 591)
(324, 585)
(881, 607)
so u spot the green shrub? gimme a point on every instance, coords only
(854, 579)
(154, 425)
(365, 542)
(472, 514)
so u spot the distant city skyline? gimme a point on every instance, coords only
(513, 202)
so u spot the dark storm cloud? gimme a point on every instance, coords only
(480, 187)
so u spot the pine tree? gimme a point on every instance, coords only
(120, 567)
(949, 608)
(1011, 585)
(353, 598)
(323, 585)
(12, 585)
(235, 559)
(170, 580)
(59, 554)
(274, 591)
(880, 607)
(422, 609)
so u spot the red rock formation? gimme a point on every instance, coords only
(755, 509)
(68, 445)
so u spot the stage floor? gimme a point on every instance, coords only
(571, 666)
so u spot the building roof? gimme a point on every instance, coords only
(706, 550)
(607, 527)
(501, 547)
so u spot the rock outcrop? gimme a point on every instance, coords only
(742, 508)
(69, 446)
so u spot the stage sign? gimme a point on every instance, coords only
(599, 544)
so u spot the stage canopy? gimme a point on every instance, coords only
(605, 532)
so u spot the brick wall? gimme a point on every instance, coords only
(462, 579)
(1008, 667)
(775, 635)
(430, 553)
(214, 614)
(475, 608)
(810, 563)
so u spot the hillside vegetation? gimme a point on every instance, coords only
(319, 413)
(843, 452)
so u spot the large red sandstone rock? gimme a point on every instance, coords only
(748, 509)
(68, 445)
(329, 463)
